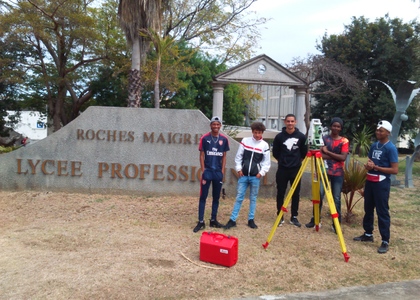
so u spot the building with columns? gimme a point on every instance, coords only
(282, 92)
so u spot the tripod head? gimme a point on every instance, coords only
(315, 134)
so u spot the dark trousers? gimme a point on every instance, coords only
(283, 177)
(215, 178)
(377, 196)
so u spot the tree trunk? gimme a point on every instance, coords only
(134, 84)
(157, 85)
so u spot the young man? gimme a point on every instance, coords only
(289, 148)
(252, 161)
(382, 162)
(213, 147)
(334, 152)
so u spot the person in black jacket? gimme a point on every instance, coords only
(252, 162)
(289, 148)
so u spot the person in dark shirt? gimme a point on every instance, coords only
(289, 148)
(213, 147)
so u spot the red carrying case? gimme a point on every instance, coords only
(219, 249)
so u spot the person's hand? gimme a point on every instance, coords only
(369, 165)
(240, 173)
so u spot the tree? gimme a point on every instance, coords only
(135, 15)
(318, 70)
(384, 50)
(11, 55)
(226, 28)
(65, 47)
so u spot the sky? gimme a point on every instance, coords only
(297, 25)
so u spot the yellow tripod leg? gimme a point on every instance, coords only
(315, 192)
(286, 202)
(333, 210)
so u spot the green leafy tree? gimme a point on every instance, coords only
(66, 46)
(383, 50)
(10, 77)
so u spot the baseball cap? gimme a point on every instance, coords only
(385, 125)
(216, 119)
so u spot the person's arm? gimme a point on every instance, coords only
(265, 164)
(303, 147)
(276, 147)
(202, 161)
(326, 154)
(239, 158)
(370, 165)
(224, 163)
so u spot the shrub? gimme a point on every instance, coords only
(362, 141)
(354, 182)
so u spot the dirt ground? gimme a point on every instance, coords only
(77, 246)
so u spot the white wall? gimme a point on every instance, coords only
(31, 125)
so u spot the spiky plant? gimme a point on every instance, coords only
(354, 182)
(362, 141)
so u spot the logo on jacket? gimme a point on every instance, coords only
(290, 142)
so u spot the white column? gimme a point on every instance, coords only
(300, 109)
(218, 99)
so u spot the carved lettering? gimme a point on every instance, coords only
(116, 170)
(148, 139)
(49, 167)
(172, 173)
(161, 139)
(135, 171)
(158, 172)
(183, 170)
(144, 169)
(19, 167)
(105, 135)
(62, 168)
(102, 167)
(33, 166)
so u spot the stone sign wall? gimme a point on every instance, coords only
(121, 150)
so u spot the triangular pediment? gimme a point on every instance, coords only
(260, 70)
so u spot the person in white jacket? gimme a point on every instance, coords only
(252, 161)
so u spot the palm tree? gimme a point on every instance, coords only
(162, 47)
(135, 15)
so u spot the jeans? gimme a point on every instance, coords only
(243, 182)
(336, 184)
(377, 196)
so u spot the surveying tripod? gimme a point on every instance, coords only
(318, 175)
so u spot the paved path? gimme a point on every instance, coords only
(405, 290)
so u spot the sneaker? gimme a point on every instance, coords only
(230, 224)
(214, 223)
(383, 248)
(252, 224)
(364, 238)
(200, 226)
(311, 224)
(294, 221)
(281, 222)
